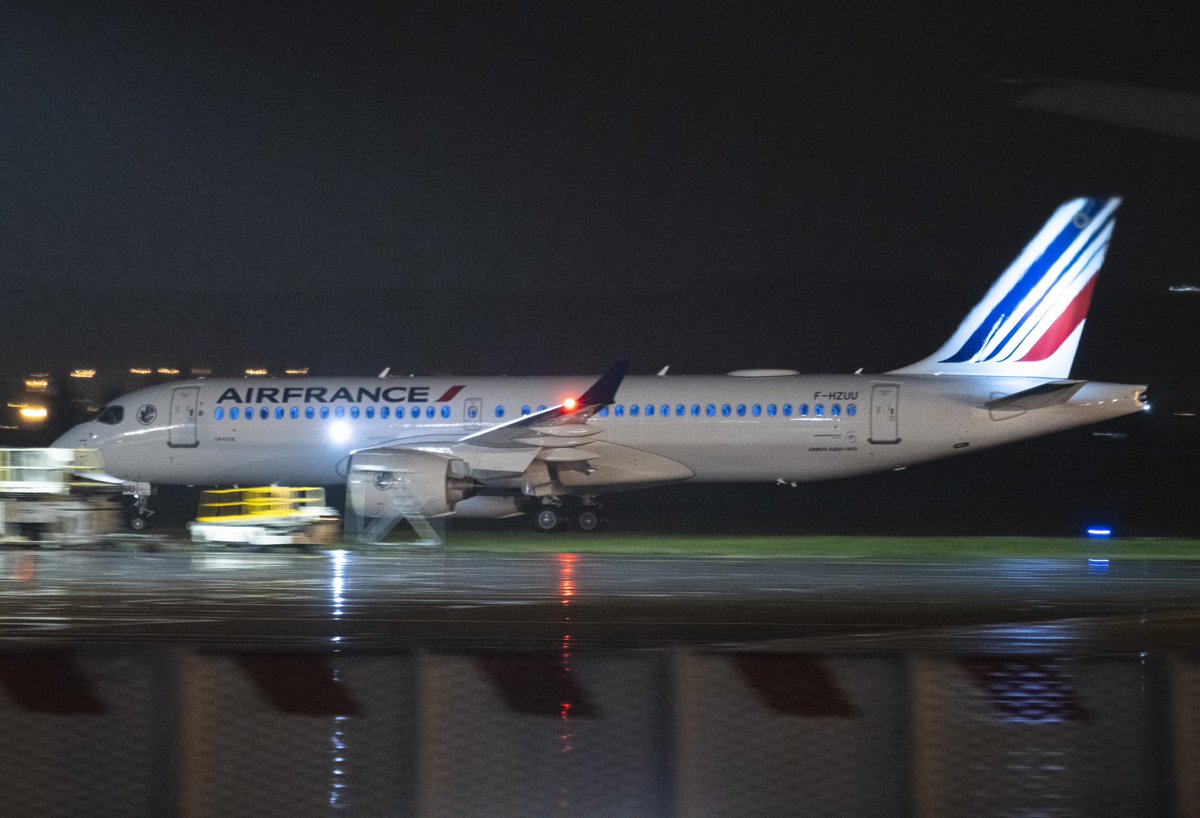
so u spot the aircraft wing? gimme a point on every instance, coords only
(557, 424)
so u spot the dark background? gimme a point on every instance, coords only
(544, 188)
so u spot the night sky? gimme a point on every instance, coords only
(530, 188)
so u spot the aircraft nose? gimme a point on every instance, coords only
(75, 438)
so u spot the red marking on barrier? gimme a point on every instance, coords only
(298, 683)
(48, 683)
(795, 685)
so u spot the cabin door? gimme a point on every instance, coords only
(885, 413)
(182, 431)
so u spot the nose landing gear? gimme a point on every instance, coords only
(139, 511)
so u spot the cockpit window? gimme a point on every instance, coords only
(112, 415)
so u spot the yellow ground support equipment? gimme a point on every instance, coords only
(265, 515)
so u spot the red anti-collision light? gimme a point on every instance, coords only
(570, 405)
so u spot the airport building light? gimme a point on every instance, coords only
(299, 370)
(200, 371)
(37, 383)
(167, 370)
(141, 371)
(83, 373)
(34, 412)
(256, 372)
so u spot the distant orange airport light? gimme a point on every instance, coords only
(83, 373)
(166, 370)
(37, 384)
(140, 371)
(34, 412)
(255, 372)
(302, 370)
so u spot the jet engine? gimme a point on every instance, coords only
(406, 483)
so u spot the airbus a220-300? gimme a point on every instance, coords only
(495, 447)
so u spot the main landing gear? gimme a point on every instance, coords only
(558, 516)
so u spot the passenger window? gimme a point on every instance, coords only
(666, 411)
(249, 413)
(429, 412)
(836, 409)
(472, 412)
(819, 410)
(771, 410)
(603, 412)
(446, 411)
(680, 411)
(219, 413)
(525, 410)
(386, 411)
(756, 410)
(741, 410)
(295, 412)
(370, 413)
(499, 411)
(787, 410)
(620, 410)
(234, 413)
(726, 410)
(804, 410)
(354, 412)
(711, 410)
(695, 410)
(851, 409)
(339, 412)
(634, 410)
(397, 413)
(279, 413)
(310, 412)
(649, 410)
(324, 413)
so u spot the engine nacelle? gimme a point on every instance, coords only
(383, 484)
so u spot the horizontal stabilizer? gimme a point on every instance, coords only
(1038, 397)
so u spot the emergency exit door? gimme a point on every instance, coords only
(885, 413)
(182, 431)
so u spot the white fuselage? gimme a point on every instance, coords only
(716, 428)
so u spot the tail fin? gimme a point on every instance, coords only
(1030, 321)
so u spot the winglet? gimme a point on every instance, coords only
(604, 391)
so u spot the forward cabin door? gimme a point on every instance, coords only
(183, 417)
(885, 413)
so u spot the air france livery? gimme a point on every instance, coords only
(420, 448)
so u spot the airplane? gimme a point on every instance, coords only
(420, 448)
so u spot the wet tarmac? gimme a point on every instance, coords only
(478, 601)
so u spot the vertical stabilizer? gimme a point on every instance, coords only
(1030, 322)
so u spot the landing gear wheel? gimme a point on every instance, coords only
(139, 522)
(549, 519)
(589, 521)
